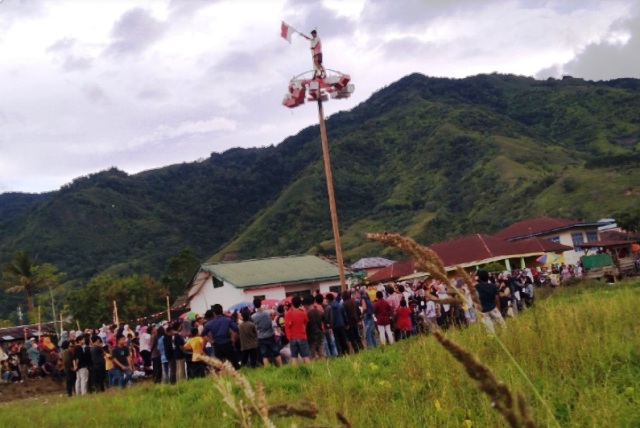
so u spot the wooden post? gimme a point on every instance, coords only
(168, 310)
(78, 324)
(332, 201)
(116, 319)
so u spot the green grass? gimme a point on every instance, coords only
(580, 347)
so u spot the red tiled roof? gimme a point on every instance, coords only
(393, 271)
(535, 244)
(534, 226)
(473, 248)
(605, 243)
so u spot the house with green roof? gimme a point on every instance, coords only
(229, 283)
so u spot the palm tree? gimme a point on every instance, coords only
(20, 276)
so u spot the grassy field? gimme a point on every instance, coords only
(580, 347)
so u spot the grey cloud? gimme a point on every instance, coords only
(62, 45)
(609, 61)
(379, 14)
(403, 47)
(311, 14)
(134, 32)
(187, 8)
(96, 95)
(152, 94)
(77, 63)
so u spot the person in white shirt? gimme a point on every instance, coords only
(316, 53)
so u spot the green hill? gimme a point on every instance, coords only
(427, 157)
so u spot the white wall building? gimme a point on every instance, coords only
(230, 283)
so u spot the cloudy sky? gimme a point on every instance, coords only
(139, 84)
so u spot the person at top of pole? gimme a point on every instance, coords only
(316, 53)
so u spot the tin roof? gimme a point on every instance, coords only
(272, 271)
(541, 225)
(371, 262)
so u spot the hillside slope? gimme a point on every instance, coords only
(435, 158)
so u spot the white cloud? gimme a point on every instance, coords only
(140, 84)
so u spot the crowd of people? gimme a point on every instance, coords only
(296, 331)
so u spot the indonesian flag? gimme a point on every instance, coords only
(286, 30)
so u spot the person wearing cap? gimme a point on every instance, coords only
(316, 53)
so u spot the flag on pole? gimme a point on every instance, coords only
(286, 30)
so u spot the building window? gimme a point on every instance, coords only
(335, 289)
(555, 239)
(592, 236)
(578, 239)
(261, 297)
(216, 282)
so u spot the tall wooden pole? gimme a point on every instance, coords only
(39, 323)
(332, 201)
(168, 310)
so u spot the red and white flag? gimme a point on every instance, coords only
(286, 30)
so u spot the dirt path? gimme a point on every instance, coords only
(30, 389)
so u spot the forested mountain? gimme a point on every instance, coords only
(428, 157)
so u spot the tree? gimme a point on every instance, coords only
(179, 272)
(629, 219)
(19, 274)
(136, 296)
(49, 276)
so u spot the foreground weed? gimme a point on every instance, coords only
(511, 406)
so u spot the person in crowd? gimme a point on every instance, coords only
(221, 328)
(383, 313)
(164, 361)
(81, 364)
(169, 353)
(330, 348)
(266, 336)
(122, 361)
(488, 295)
(353, 319)
(315, 327)
(195, 365)
(98, 364)
(67, 361)
(339, 323)
(156, 361)
(248, 340)
(367, 319)
(178, 352)
(144, 339)
(403, 320)
(296, 320)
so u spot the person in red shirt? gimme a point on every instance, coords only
(383, 312)
(295, 320)
(403, 319)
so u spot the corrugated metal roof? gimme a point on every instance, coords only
(372, 262)
(538, 226)
(276, 270)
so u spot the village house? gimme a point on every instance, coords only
(229, 283)
(567, 232)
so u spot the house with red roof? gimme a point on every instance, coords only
(563, 231)
(478, 250)
(475, 251)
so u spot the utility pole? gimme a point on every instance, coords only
(332, 199)
(320, 87)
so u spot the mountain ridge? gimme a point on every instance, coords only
(429, 157)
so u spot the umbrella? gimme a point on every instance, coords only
(189, 316)
(271, 303)
(240, 306)
(550, 258)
